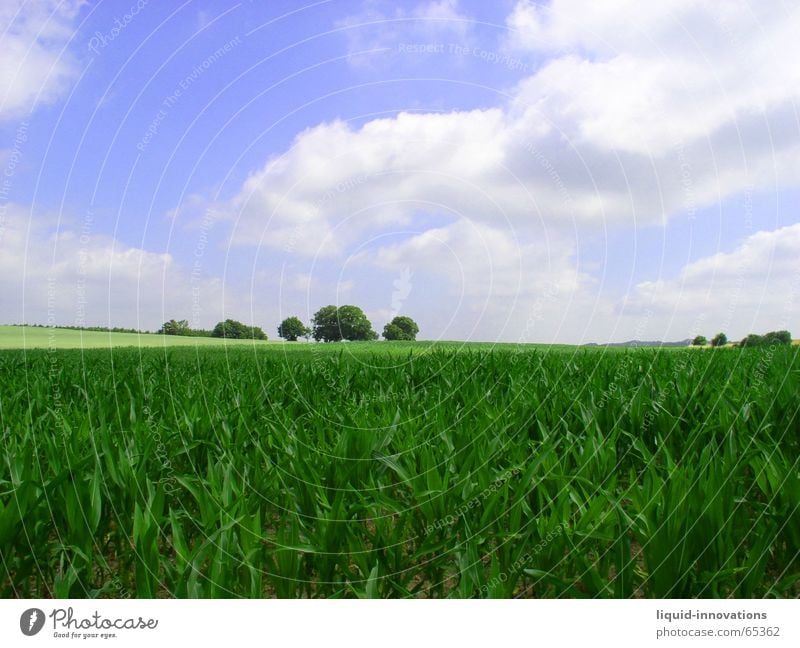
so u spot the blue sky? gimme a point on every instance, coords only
(555, 171)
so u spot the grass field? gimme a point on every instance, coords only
(36, 337)
(424, 471)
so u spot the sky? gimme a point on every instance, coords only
(559, 171)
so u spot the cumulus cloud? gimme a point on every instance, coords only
(488, 284)
(641, 76)
(752, 289)
(639, 113)
(74, 276)
(37, 67)
(612, 132)
(338, 181)
(484, 262)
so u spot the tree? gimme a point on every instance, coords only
(752, 340)
(354, 325)
(778, 337)
(401, 328)
(229, 329)
(700, 340)
(181, 327)
(332, 324)
(720, 339)
(292, 328)
(771, 338)
(233, 330)
(325, 325)
(392, 332)
(257, 333)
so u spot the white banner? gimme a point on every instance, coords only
(401, 623)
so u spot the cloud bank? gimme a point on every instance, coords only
(37, 66)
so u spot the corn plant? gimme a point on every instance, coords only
(422, 471)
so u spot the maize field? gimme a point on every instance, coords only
(349, 471)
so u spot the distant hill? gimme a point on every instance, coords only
(640, 343)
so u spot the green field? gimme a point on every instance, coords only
(37, 337)
(425, 471)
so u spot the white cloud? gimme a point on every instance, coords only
(641, 76)
(484, 262)
(336, 182)
(640, 112)
(36, 68)
(74, 276)
(616, 131)
(753, 289)
(471, 280)
(608, 26)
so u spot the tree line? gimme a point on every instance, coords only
(752, 340)
(329, 324)
(97, 329)
(230, 328)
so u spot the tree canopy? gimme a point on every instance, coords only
(234, 330)
(771, 338)
(292, 328)
(778, 337)
(720, 339)
(401, 328)
(173, 327)
(332, 324)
